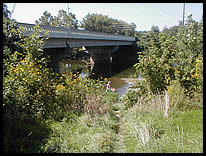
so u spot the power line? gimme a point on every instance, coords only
(164, 17)
(168, 8)
(166, 12)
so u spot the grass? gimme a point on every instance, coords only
(146, 129)
(88, 134)
(109, 125)
(140, 128)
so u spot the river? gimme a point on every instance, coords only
(117, 74)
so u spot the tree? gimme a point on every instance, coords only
(12, 40)
(65, 20)
(172, 31)
(61, 20)
(145, 38)
(46, 19)
(176, 57)
(6, 12)
(102, 23)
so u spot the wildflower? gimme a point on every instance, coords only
(60, 87)
(198, 61)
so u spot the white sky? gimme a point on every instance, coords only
(144, 15)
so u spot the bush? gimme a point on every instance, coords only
(80, 95)
(175, 58)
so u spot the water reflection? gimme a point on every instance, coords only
(116, 73)
(101, 70)
(73, 66)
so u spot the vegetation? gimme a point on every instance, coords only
(102, 23)
(91, 22)
(47, 113)
(61, 20)
(144, 38)
(174, 58)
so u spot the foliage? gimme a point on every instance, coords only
(12, 40)
(79, 94)
(131, 98)
(29, 88)
(172, 31)
(45, 112)
(28, 85)
(103, 23)
(176, 57)
(143, 131)
(144, 38)
(61, 20)
(189, 65)
(180, 101)
(25, 72)
(86, 134)
(46, 19)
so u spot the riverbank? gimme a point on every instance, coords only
(137, 129)
(131, 81)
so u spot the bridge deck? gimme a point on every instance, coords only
(66, 33)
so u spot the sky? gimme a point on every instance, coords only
(144, 15)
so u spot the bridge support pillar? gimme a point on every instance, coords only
(101, 55)
(126, 54)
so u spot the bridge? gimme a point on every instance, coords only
(100, 46)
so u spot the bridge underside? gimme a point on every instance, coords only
(100, 50)
(62, 43)
(99, 55)
(100, 46)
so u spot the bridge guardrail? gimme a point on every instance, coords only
(67, 32)
(29, 27)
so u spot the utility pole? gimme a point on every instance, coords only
(184, 14)
(68, 8)
(13, 9)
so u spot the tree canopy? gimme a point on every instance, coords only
(103, 23)
(61, 20)
(178, 57)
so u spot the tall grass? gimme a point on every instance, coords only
(152, 126)
(93, 131)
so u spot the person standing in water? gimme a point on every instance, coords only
(109, 87)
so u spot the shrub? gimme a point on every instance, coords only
(175, 58)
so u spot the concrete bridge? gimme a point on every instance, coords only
(100, 46)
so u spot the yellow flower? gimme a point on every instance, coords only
(199, 61)
(60, 87)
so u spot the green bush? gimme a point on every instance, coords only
(175, 58)
(28, 86)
